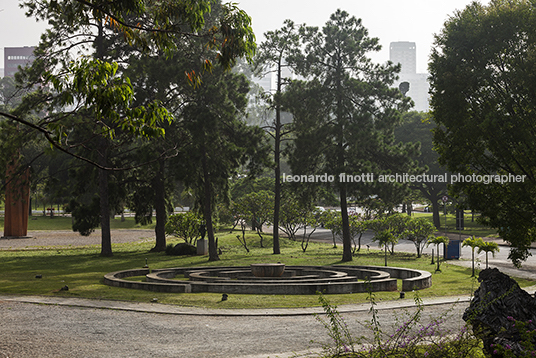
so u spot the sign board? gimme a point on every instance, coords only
(445, 198)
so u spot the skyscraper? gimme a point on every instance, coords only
(405, 53)
(15, 57)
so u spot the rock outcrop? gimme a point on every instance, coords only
(498, 303)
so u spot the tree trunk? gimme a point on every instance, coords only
(346, 241)
(160, 208)
(106, 236)
(473, 262)
(207, 210)
(277, 170)
(435, 214)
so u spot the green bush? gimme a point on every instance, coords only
(182, 249)
(185, 226)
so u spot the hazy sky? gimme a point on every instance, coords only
(389, 20)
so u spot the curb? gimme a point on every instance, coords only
(196, 311)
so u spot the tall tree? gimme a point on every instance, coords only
(274, 55)
(417, 127)
(94, 86)
(349, 127)
(220, 144)
(483, 84)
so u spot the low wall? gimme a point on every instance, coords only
(115, 279)
(411, 279)
(303, 280)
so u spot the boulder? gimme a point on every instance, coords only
(497, 304)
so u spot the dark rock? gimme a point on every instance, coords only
(497, 303)
(64, 288)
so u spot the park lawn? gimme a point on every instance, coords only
(82, 270)
(37, 222)
(470, 227)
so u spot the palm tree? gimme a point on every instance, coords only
(438, 240)
(473, 242)
(488, 246)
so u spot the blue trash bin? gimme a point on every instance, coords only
(453, 250)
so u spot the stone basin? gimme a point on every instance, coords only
(267, 270)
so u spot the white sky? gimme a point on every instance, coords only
(389, 20)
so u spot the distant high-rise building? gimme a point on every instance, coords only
(405, 53)
(15, 57)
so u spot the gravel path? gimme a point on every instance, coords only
(30, 330)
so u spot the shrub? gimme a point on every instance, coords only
(412, 339)
(182, 249)
(185, 226)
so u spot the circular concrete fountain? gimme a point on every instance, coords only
(298, 280)
(267, 270)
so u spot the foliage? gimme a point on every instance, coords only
(85, 217)
(241, 215)
(274, 56)
(331, 221)
(438, 240)
(186, 226)
(337, 329)
(294, 215)
(310, 221)
(220, 143)
(527, 343)
(346, 104)
(181, 249)
(150, 25)
(358, 226)
(411, 339)
(487, 247)
(419, 230)
(75, 81)
(246, 185)
(255, 209)
(398, 222)
(482, 84)
(389, 229)
(473, 242)
(417, 127)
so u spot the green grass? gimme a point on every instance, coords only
(470, 227)
(82, 269)
(36, 222)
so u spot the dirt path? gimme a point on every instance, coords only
(70, 238)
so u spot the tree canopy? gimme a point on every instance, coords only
(483, 85)
(345, 111)
(77, 82)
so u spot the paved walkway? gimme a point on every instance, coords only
(195, 311)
